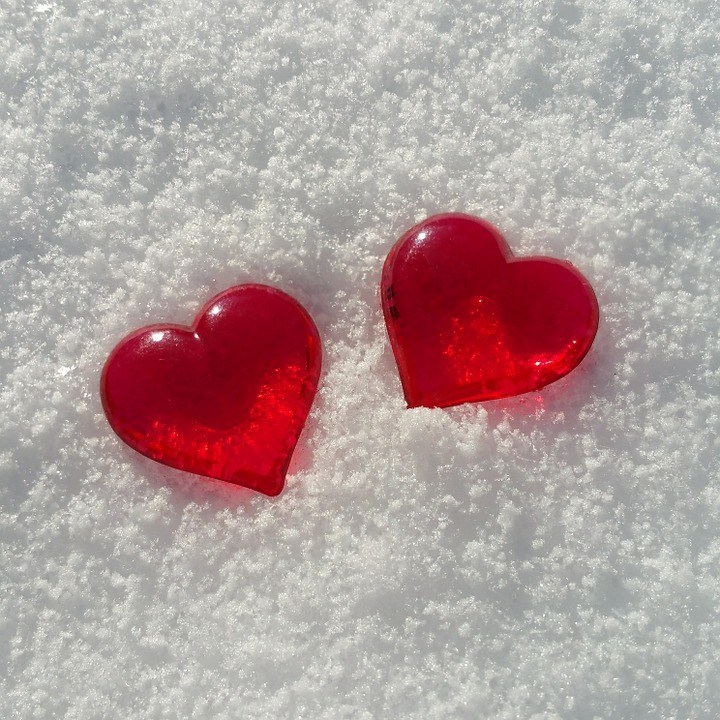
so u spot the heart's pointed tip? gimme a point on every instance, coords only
(440, 404)
(269, 485)
(412, 400)
(270, 492)
(273, 490)
(420, 402)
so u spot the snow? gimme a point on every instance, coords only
(551, 556)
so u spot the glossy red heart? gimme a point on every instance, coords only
(226, 397)
(468, 321)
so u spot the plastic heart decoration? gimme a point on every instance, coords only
(226, 397)
(468, 321)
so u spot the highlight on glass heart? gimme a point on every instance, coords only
(468, 321)
(225, 397)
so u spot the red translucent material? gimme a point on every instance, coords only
(468, 321)
(226, 397)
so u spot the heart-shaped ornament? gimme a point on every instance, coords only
(468, 321)
(226, 397)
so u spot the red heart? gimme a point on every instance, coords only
(226, 397)
(467, 321)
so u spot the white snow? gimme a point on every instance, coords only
(551, 556)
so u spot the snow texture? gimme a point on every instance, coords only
(551, 556)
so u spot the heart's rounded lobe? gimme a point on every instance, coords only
(467, 321)
(226, 397)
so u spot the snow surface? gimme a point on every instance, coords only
(551, 556)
